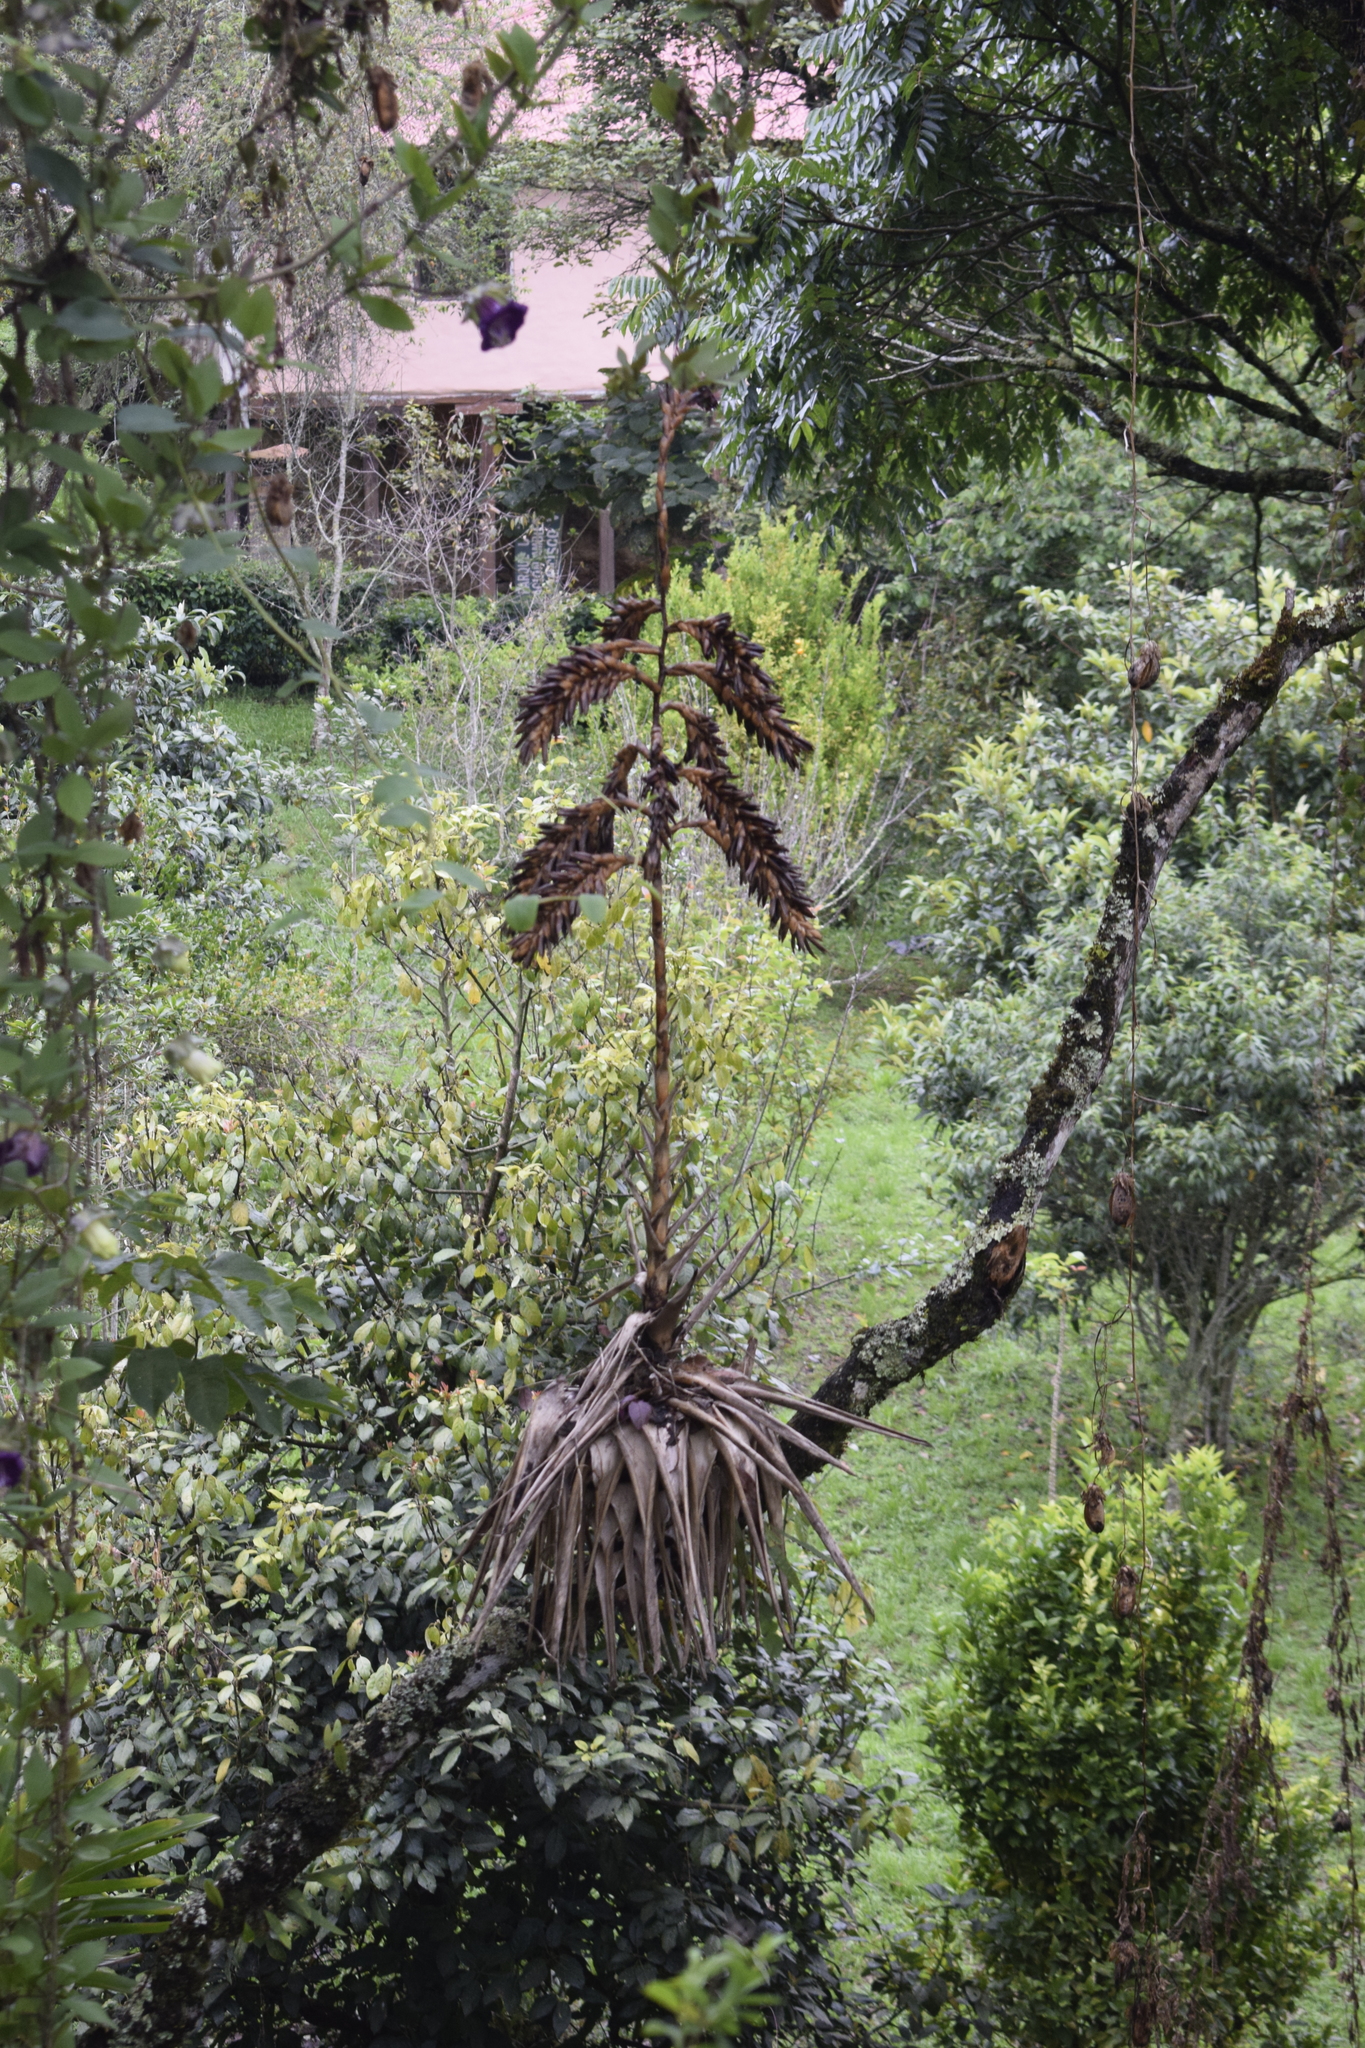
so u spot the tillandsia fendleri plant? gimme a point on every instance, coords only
(651, 1492)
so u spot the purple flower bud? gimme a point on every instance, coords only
(640, 1412)
(11, 1469)
(499, 320)
(28, 1149)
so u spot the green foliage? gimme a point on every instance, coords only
(1030, 831)
(1059, 1721)
(125, 340)
(1235, 1078)
(716, 1997)
(904, 301)
(784, 591)
(73, 1890)
(381, 627)
(274, 1576)
(565, 459)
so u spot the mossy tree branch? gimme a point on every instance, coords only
(972, 1295)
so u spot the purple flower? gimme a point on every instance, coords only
(11, 1469)
(28, 1149)
(635, 1410)
(499, 320)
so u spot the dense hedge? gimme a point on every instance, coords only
(393, 626)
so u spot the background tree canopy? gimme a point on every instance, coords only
(947, 268)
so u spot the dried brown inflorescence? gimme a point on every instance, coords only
(744, 688)
(573, 857)
(1122, 1200)
(476, 82)
(279, 501)
(1125, 1591)
(1092, 1507)
(750, 842)
(1145, 666)
(586, 676)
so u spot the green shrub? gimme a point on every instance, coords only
(1057, 1722)
(786, 592)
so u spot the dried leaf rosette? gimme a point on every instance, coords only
(652, 1496)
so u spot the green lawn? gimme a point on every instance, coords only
(280, 727)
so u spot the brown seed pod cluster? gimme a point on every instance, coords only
(132, 830)
(1101, 1445)
(1122, 1200)
(364, 169)
(751, 844)
(574, 856)
(187, 633)
(627, 620)
(1145, 666)
(1092, 1507)
(586, 676)
(1125, 1591)
(279, 501)
(383, 97)
(1005, 1266)
(745, 689)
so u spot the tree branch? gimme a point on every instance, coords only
(964, 1303)
(164, 2009)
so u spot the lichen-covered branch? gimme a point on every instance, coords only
(164, 2009)
(972, 1295)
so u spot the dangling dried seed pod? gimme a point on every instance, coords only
(448, 6)
(1140, 2022)
(1092, 1506)
(383, 97)
(364, 169)
(476, 80)
(187, 633)
(1123, 1955)
(828, 10)
(132, 829)
(1101, 1447)
(1122, 1200)
(1145, 666)
(279, 501)
(1125, 1591)
(1006, 1262)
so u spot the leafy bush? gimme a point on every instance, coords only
(784, 590)
(1033, 819)
(1230, 1035)
(1058, 1722)
(274, 1578)
(382, 627)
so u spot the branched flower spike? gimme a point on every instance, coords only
(652, 1494)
